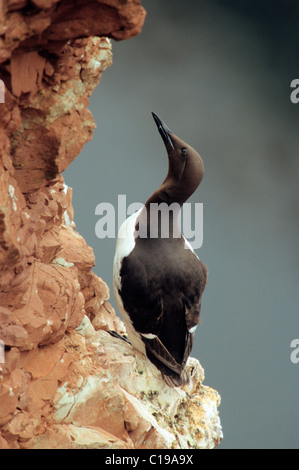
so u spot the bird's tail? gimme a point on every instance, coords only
(173, 373)
(176, 380)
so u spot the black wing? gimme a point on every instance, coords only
(167, 311)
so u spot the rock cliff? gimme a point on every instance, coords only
(66, 382)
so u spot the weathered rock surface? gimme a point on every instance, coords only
(66, 382)
(114, 398)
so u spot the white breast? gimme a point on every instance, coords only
(124, 245)
(189, 246)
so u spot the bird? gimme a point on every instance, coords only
(158, 279)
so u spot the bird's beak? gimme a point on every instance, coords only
(164, 132)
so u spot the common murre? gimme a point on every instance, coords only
(158, 280)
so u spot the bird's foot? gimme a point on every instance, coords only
(118, 335)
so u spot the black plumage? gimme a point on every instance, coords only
(158, 282)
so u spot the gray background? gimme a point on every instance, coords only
(218, 73)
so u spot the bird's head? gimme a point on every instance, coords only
(185, 166)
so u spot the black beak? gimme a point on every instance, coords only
(164, 132)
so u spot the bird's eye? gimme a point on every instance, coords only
(183, 150)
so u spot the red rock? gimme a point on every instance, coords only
(44, 389)
(75, 437)
(3, 443)
(8, 402)
(93, 407)
(12, 358)
(13, 335)
(22, 426)
(45, 265)
(30, 66)
(41, 361)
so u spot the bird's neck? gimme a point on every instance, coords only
(159, 217)
(172, 192)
